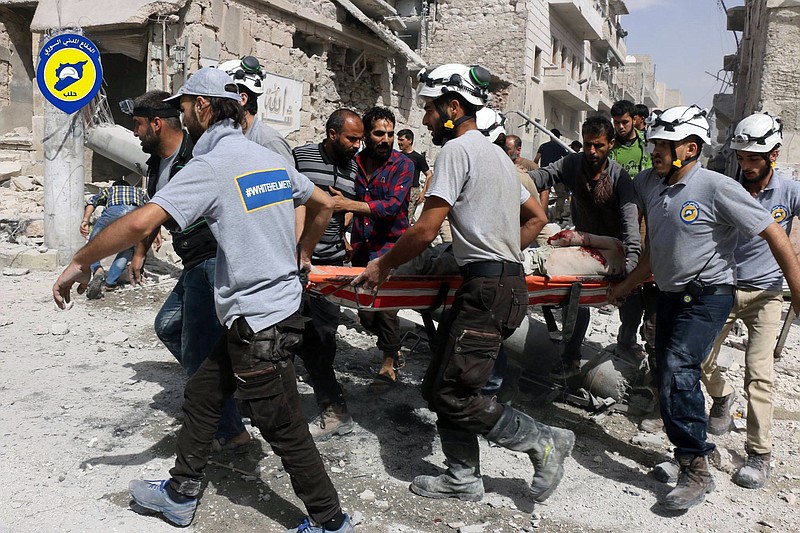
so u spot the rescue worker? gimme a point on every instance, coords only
(693, 216)
(249, 78)
(759, 297)
(246, 193)
(187, 322)
(475, 186)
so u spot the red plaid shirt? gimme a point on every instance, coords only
(387, 192)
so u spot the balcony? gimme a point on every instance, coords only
(559, 85)
(650, 98)
(724, 106)
(376, 9)
(611, 46)
(582, 17)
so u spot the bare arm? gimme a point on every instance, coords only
(634, 279)
(87, 213)
(318, 210)
(299, 222)
(121, 234)
(544, 197)
(428, 176)
(139, 253)
(784, 254)
(532, 220)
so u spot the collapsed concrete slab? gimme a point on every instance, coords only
(51, 14)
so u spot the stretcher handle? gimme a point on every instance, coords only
(358, 300)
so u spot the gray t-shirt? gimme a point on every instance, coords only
(616, 216)
(268, 137)
(479, 181)
(693, 222)
(756, 267)
(164, 169)
(248, 196)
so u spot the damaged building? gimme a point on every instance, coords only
(764, 74)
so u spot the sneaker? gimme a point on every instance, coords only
(719, 420)
(755, 472)
(95, 289)
(309, 526)
(152, 496)
(333, 420)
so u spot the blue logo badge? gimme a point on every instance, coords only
(264, 188)
(779, 213)
(689, 212)
(69, 73)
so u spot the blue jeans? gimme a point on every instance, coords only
(187, 324)
(684, 337)
(109, 215)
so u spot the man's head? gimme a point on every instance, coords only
(405, 140)
(120, 183)
(152, 118)
(248, 76)
(640, 114)
(556, 133)
(207, 97)
(451, 95)
(513, 146)
(378, 133)
(678, 135)
(490, 123)
(622, 113)
(343, 134)
(576, 146)
(757, 140)
(598, 139)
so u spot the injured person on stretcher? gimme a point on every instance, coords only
(566, 253)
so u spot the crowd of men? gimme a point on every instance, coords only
(701, 251)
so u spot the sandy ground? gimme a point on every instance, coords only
(84, 411)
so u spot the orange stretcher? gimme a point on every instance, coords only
(426, 293)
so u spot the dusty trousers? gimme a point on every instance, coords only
(257, 368)
(485, 311)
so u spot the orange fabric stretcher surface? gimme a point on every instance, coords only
(427, 292)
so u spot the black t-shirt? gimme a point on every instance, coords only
(420, 166)
(551, 152)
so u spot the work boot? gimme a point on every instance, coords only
(548, 448)
(694, 482)
(462, 479)
(755, 472)
(719, 420)
(333, 420)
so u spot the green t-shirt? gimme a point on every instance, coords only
(634, 157)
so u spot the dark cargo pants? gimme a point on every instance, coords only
(257, 368)
(485, 311)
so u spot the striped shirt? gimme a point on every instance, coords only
(312, 161)
(119, 195)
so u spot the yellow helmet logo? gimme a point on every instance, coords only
(779, 213)
(689, 212)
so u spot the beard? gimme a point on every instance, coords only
(193, 126)
(761, 175)
(379, 152)
(342, 154)
(150, 143)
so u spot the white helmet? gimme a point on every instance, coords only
(245, 72)
(490, 123)
(760, 132)
(470, 82)
(679, 122)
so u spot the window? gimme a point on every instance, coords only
(574, 68)
(537, 62)
(554, 59)
(564, 57)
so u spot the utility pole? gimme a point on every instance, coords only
(63, 178)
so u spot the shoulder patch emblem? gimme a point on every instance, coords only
(779, 213)
(690, 211)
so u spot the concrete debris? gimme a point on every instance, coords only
(722, 459)
(22, 183)
(59, 328)
(356, 518)
(456, 525)
(118, 337)
(367, 495)
(15, 271)
(648, 440)
(9, 169)
(475, 528)
(382, 505)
